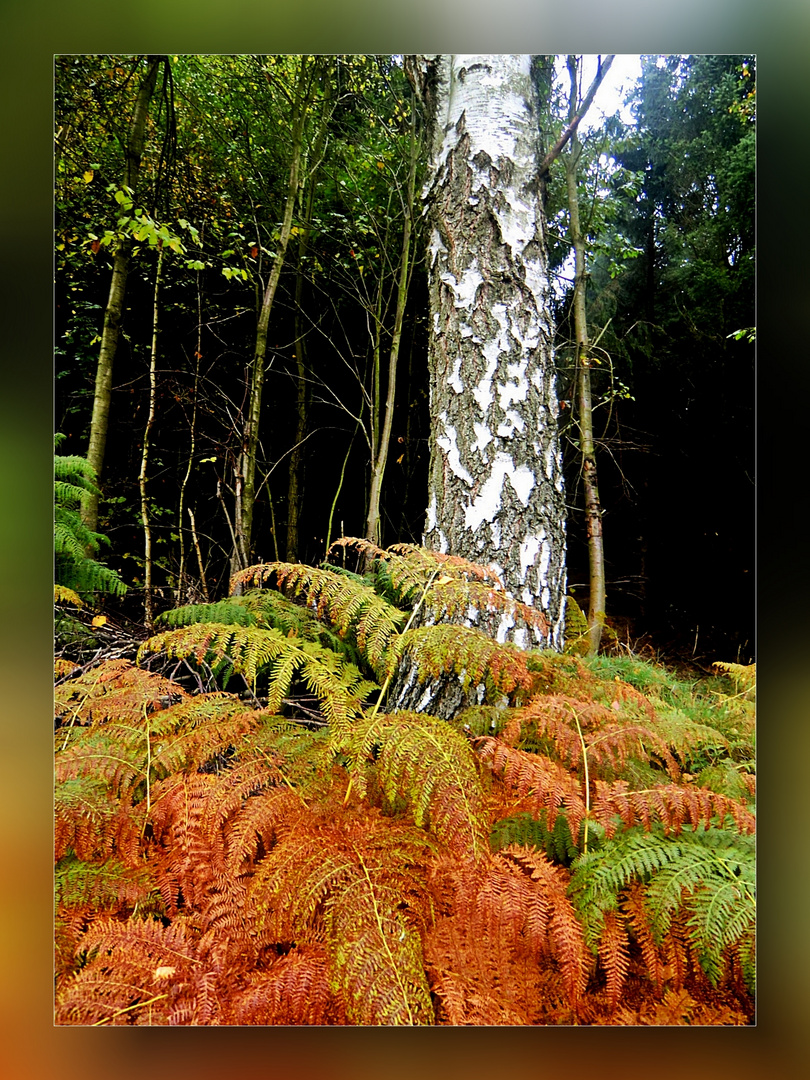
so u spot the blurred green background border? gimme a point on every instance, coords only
(31, 31)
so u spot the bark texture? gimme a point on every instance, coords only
(495, 485)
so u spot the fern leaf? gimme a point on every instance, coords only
(378, 964)
(425, 762)
(707, 874)
(544, 786)
(295, 990)
(614, 952)
(355, 610)
(470, 654)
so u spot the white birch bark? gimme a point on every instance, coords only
(495, 487)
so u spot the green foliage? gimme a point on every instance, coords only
(706, 875)
(75, 546)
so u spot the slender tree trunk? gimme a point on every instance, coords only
(181, 582)
(245, 478)
(148, 600)
(115, 302)
(382, 440)
(593, 509)
(296, 474)
(495, 482)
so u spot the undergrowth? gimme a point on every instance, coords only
(245, 834)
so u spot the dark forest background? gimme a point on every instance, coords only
(670, 214)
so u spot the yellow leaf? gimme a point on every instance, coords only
(99, 620)
(88, 176)
(445, 579)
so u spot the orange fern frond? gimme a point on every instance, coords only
(638, 921)
(138, 972)
(674, 805)
(614, 953)
(502, 922)
(116, 689)
(294, 990)
(544, 785)
(558, 923)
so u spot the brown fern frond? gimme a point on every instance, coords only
(294, 990)
(316, 853)
(93, 825)
(502, 924)
(137, 972)
(191, 820)
(614, 953)
(672, 804)
(609, 739)
(544, 785)
(637, 918)
(86, 891)
(195, 733)
(559, 924)
(63, 669)
(676, 1008)
(115, 689)
(463, 1003)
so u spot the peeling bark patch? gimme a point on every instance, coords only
(448, 443)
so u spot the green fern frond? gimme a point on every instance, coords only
(745, 675)
(576, 628)
(527, 831)
(379, 969)
(252, 651)
(74, 544)
(425, 762)
(475, 658)
(105, 886)
(353, 608)
(707, 873)
(230, 612)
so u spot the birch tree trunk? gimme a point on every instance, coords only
(115, 302)
(495, 482)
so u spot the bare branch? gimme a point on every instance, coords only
(559, 145)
